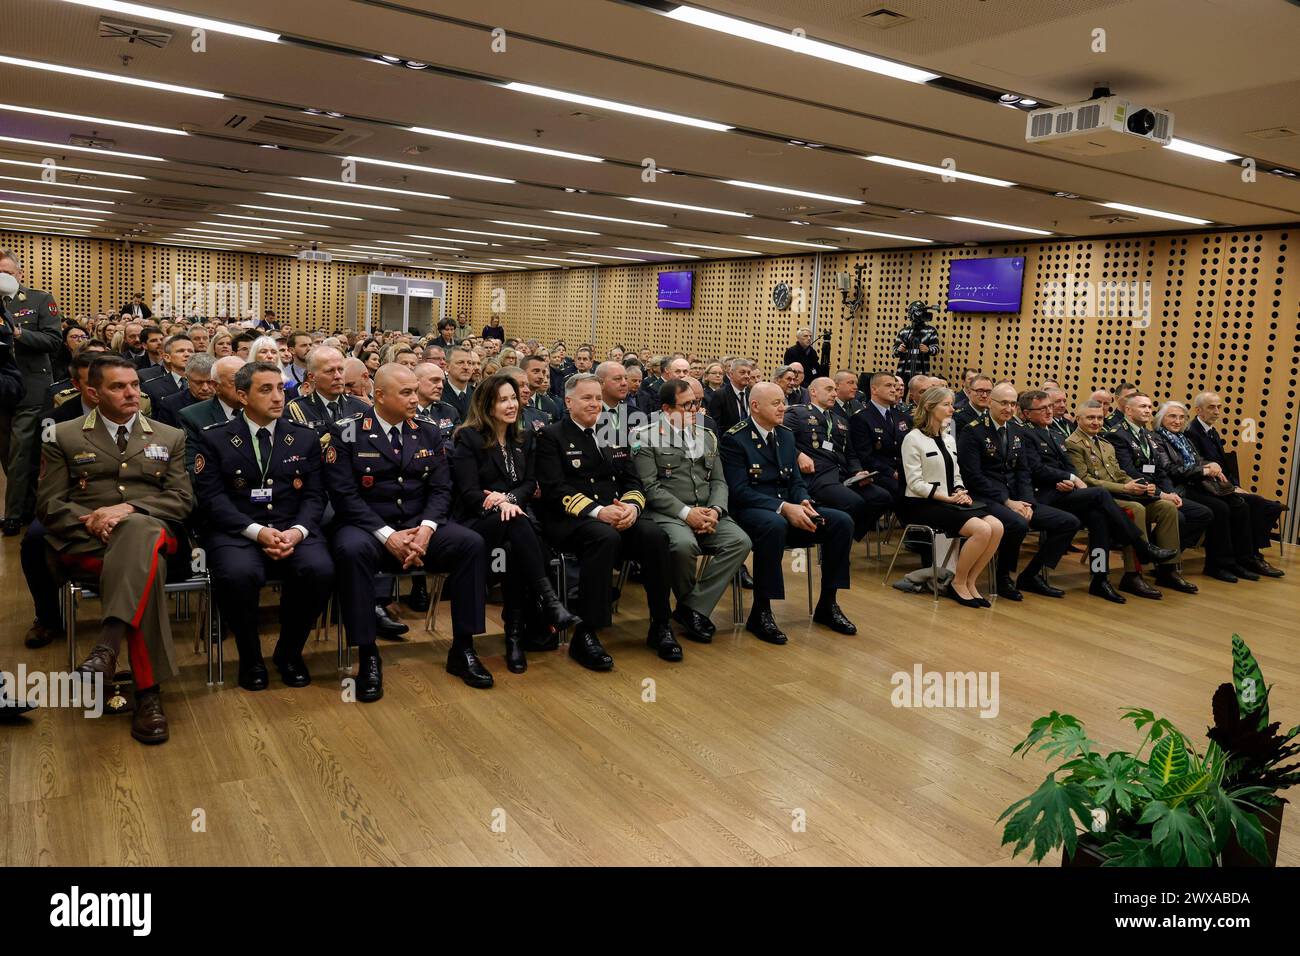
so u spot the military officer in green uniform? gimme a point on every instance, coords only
(32, 317)
(686, 495)
(113, 488)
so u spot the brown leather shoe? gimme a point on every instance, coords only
(149, 725)
(102, 660)
(38, 635)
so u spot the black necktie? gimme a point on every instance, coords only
(234, 413)
(395, 436)
(332, 409)
(122, 436)
(1002, 440)
(264, 447)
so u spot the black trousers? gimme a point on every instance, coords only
(40, 582)
(1228, 539)
(1108, 526)
(455, 550)
(772, 534)
(1194, 521)
(864, 503)
(240, 570)
(1057, 527)
(513, 550)
(1264, 513)
(600, 548)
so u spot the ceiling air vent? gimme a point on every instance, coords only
(175, 204)
(837, 217)
(133, 34)
(1273, 132)
(884, 18)
(273, 129)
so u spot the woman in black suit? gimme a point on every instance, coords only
(492, 470)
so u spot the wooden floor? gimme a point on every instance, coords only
(739, 739)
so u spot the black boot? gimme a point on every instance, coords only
(554, 612)
(418, 599)
(516, 661)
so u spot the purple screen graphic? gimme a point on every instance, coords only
(675, 289)
(985, 285)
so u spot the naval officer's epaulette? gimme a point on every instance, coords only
(740, 426)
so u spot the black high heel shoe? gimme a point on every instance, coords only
(964, 602)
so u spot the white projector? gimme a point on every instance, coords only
(1108, 124)
(314, 255)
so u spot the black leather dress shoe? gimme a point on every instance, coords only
(38, 635)
(830, 615)
(464, 663)
(1173, 578)
(101, 660)
(292, 668)
(746, 581)
(253, 676)
(1221, 574)
(516, 659)
(418, 599)
(694, 625)
(1134, 583)
(11, 711)
(1149, 553)
(11, 527)
(370, 679)
(386, 625)
(660, 638)
(1261, 566)
(542, 640)
(1007, 589)
(1038, 584)
(1243, 572)
(763, 626)
(1101, 587)
(586, 649)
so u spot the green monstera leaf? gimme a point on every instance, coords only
(1179, 835)
(1248, 680)
(1168, 759)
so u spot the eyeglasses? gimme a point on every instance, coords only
(689, 406)
(981, 391)
(1041, 408)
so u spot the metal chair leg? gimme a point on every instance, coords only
(808, 559)
(435, 595)
(737, 600)
(623, 573)
(70, 622)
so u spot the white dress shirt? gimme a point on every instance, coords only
(253, 530)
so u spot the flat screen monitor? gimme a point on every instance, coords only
(985, 285)
(675, 289)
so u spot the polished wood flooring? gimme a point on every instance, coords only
(741, 742)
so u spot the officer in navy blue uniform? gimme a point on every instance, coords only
(258, 482)
(769, 500)
(995, 467)
(1056, 484)
(823, 437)
(877, 433)
(388, 477)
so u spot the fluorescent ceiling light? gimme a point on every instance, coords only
(202, 245)
(1143, 211)
(230, 236)
(183, 19)
(498, 235)
(700, 245)
(529, 225)
(71, 169)
(111, 77)
(336, 202)
(799, 44)
(416, 245)
(50, 215)
(792, 192)
(214, 240)
(998, 225)
(236, 225)
(576, 262)
(23, 192)
(881, 235)
(475, 262)
(483, 141)
(519, 261)
(378, 189)
(680, 205)
(16, 223)
(430, 169)
(617, 107)
(466, 242)
(92, 119)
(655, 252)
(303, 212)
(937, 170)
(792, 242)
(587, 215)
(285, 222)
(102, 189)
(54, 205)
(61, 147)
(1202, 152)
(597, 255)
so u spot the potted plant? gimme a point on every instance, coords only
(1171, 804)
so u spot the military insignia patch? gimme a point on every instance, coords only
(288, 439)
(236, 440)
(297, 484)
(366, 424)
(331, 454)
(54, 307)
(367, 481)
(198, 464)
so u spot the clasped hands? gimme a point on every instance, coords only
(102, 521)
(279, 544)
(620, 514)
(702, 520)
(498, 500)
(409, 545)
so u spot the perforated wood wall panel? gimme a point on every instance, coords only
(87, 276)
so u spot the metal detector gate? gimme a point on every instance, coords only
(390, 289)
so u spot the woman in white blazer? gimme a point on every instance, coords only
(936, 497)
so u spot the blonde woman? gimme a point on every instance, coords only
(267, 349)
(508, 357)
(220, 345)
(936, 497)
